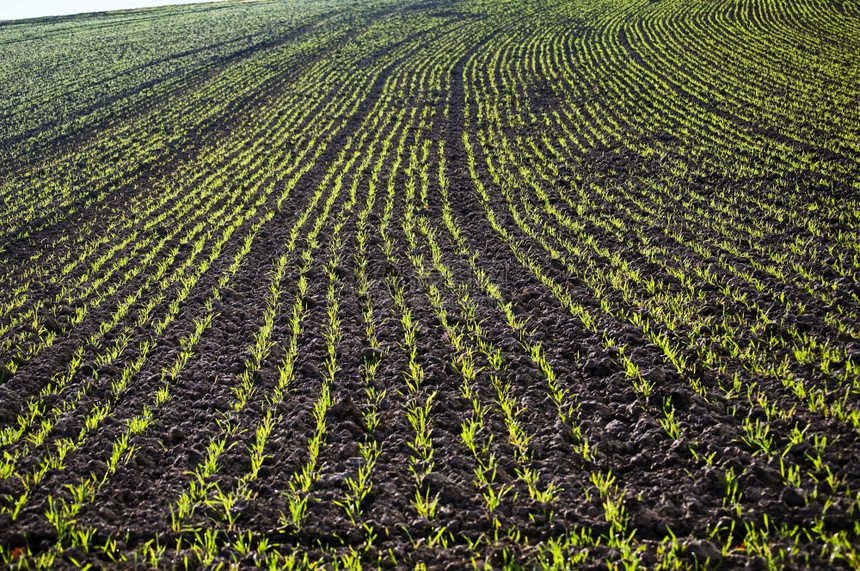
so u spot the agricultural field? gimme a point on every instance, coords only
(432, 284)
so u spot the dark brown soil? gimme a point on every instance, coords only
(742, 286)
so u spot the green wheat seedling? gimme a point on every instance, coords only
(615, 514)
(733, 496)
(668, 421)
(757, 436)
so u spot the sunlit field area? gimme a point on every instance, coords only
(432, 284)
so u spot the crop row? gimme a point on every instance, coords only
(480, 283)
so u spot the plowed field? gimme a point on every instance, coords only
(432, 283)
